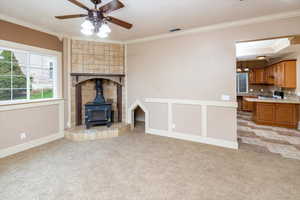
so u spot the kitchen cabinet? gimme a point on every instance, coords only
(269, 75)
(259, 76)
(276, 114)
(246, 105)
(256, 76)
(289, 74)
(251, 76)
(282, 74)
(285, 74)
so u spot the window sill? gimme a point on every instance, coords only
(5, 106)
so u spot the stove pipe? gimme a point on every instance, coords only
(99, 99)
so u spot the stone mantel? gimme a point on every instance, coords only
(81, 77)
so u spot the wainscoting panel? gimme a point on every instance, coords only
(186, 119)
(209, 122)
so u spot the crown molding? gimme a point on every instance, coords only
(285, 15)
(29, 25)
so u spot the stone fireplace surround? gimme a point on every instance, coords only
(96, 60)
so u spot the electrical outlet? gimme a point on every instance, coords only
(23, 136)
(173, 126)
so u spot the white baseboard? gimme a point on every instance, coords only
(25, 146)
(194, 138)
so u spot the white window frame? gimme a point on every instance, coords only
(57, 79)
(238, 83)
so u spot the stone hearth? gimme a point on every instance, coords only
(80, 133)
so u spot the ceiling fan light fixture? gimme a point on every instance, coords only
(105, 28)
(87, 32)
(102, 34)
(261, 57)
(87, 24)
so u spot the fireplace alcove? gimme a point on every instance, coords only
(85, 92)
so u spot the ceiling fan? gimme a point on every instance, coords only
(97, 17)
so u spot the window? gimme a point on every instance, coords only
(242, 82)
(26, 75)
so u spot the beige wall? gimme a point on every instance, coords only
(198, 66)
(36, 122)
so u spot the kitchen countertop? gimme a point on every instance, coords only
(273, 100)
(247, 94)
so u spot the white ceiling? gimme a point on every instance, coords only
(149, 17)
(272, 49)
(269, 48)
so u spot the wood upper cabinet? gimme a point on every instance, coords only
(260, 76)
(285, 74)
(256, 76)
(290, 76)
(279, 74)
(269, 75)
(251, 76)
(282, 74)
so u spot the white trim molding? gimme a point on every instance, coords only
(194, 138)
(284, 15)
(232, 104)
(34, 143)
(130, 113)
(30, 104)
(203, 138)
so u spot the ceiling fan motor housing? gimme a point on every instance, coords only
(96, 1)
(97, 18)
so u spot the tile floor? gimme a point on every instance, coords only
(268, 139)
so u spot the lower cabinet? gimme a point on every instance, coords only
(276, 114)
(246, 105)
(265, 112)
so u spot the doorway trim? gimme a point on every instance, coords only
(131, 114)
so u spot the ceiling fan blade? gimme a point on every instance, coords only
(119, 22)
(79, 4)
(111, 6)
(70, 16)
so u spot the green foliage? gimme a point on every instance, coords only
(45, 94)
(9, 66)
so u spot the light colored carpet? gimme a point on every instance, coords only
(136, 166)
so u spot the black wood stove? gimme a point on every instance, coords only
(98, 112)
